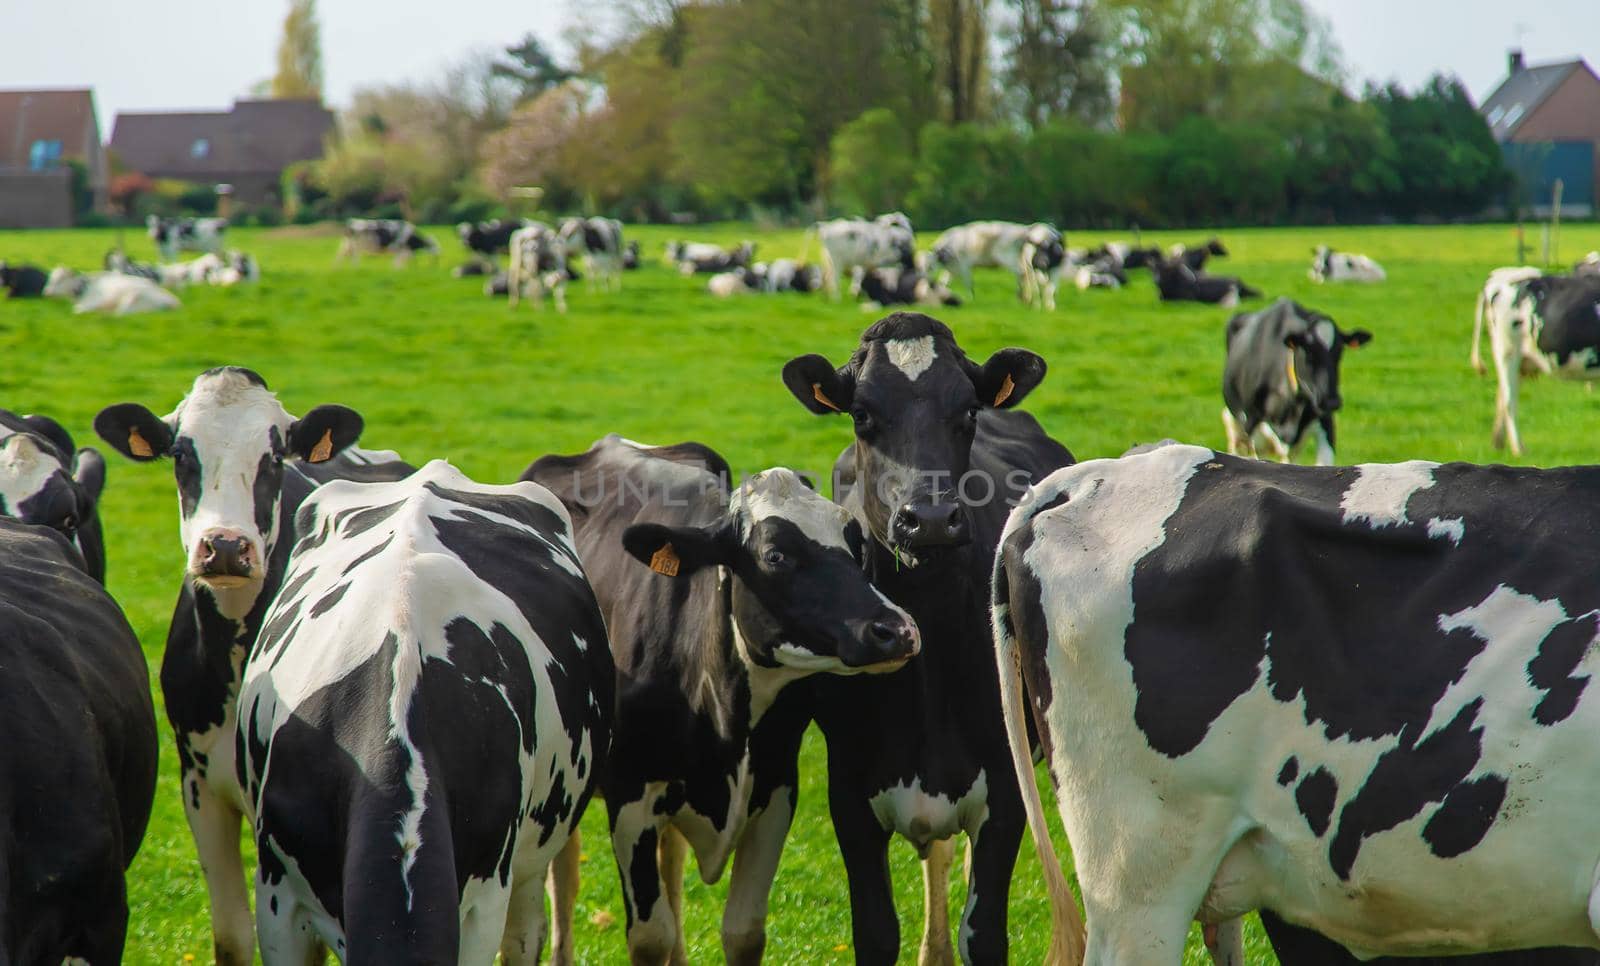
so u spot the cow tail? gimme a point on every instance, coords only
(1477, 330)
(1067, 934)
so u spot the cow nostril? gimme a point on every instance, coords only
(884, 631)
(907, 521)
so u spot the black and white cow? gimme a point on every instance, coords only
(1328, 265)
(243, 465)
(78, 771)
(174, 235)
(108, 292)
(422, 722)
(997, 244)
(489, 238)
(1196, 256)
(939, 452)
(881, 287)
(1402, 759)
(47, 481)
(851, 243)
(538, 265)
(715, 601)
(1178, 282)
(373, 236)
(788, 275)
(22, 281)
(704, 258)
(1549, 324)
(1281, 379)
(630, 256)
(599, 241)
(1124, 256)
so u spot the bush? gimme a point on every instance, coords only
(872, 163)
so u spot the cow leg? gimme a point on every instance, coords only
(215, 827)
(1508, 373)
(671, 852)
(563, 888)
(522, 940)
(1322, 432)
(755, 866)
(864, 846)
(936, 949)
(1238, 441)
(1278, 446)
(635, 830)
(285, 928)
(994, 858)
(1225, 942)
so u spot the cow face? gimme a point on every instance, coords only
(1314, 355)
(914, 397)
(42, 481)
(227, 440)
(800, 599)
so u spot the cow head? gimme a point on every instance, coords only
(1314, 355)
(1214, 247)
(800, 599)
(228, 440)
(914, 397)
(65, 283)
(45, 481)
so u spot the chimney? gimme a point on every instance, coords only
(1514, 62)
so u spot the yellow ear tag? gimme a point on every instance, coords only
(665, 561)
(137, 444)
(816, 391)
(321, 452)
(1294, 380)
(1005, 392)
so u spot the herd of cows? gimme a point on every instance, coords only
(1354, 698)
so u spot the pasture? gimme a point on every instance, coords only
(438, 370)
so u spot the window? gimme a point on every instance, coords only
(1495, 116)
(44, 155)
(200, 149)
(1513, 114)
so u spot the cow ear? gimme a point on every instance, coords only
(818, 385)
(89, 470)
(1295, 340)
(1357, 339)
(51, 430)
(675, 551)
(324, 431)
(134, 431)
(1007, 377)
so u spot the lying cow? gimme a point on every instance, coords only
(458, 616)
(1550, 325)
(788, 275)
(1400, 758)
(47, 481)
(489, 238)
(538, 266)
(1178, 282)
(168, 275)
(882, 287)
(1328, 265)
(1281, 379)
(992, 244)
(22, 281)
(174, 235)
(1124, 256)
(1196, 256)
(599, 241)
(1098, 276)
(368, 236)
(852, 243)
(715, 602)
(630, 256)
(78, 773)
(739, 281)
(703, 258)
(109, 292)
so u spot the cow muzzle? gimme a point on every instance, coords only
(929, 525)
(882, 644)
(226, 558)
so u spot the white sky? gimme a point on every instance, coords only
(174, 54)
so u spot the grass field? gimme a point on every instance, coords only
(440, 371)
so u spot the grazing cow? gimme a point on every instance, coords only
(1328, 265)
(1196, 256)
(538, 265)
(898, 286)
(1281, 379)
(369, 236)
(715, 602)
(489, 238)
(243, 465)
(174, 235)
(1357, 697)
(702, 258)
(458, 616)
(599, 240)
(78, 773)
(109, 292)
(788, 275)
(994, 244)
(1042, 262)
(22, 281)
(1551, 326)
(1177, 282)
(1589, 266)
(630, 256)
(47, 481)
(939, 453)
(851, 243)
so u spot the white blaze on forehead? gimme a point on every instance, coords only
(780, 493)
(1324, 330)
(911, 356)
(1381, 490)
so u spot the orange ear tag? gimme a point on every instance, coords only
(665, 561)
(137, 445)
(321, 452)
(816, 391)
(1005, 392)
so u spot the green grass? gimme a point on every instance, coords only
(440, 371)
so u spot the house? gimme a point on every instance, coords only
(246, 148)
(41, 133)
(1547, 120)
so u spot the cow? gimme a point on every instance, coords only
(1551, 325)
(739, 281)
(22, 281)
(851, 243)
(458, 615)
(703, 258)
(174, 235)
(1177, 282)
(788, 275)
(630, 256)
(716, 600)
(475, 267)
(1280, 379)
(1098, 275)
(1354, 696)
(939, 452)
(1494, 301)
(538, 265)
(1042, 261)
(1124, 256)
(46, 480)
(1305, 947)
(1589, 266)
(1328, 265)
(167, 275)
(991, 244)
(109, 292)
(242, 465)
(489, 238)
(599, 240)
(78, 774)
(370, 236)
(1196, 256)
(882, 287)
(236, 267)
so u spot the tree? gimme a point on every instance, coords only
(299, 53)
(1058, 61)
(1446, 159)
(872, 163)
(532, 68)
(958, 33)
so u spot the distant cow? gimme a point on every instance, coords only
(852, 243)
(1495, 300)
(1281, 379)
(991, 244)
(78, 769)
(475, 267)
(703, 258)
(47, 481)
(1589, 266)
(1098, 276)
(739, 281)
(1125, 256)
(1177, 282)
(167, 275)
(788, 275)
(22, 281)
(1328, 265)
(538, 266)
(1041, 262)
(599, 241)
(1196, 256)
(109, 292)
(898, 286)
(1551, 325)
(489, 238)
(174, 235)
(369, 236)
(630, 256)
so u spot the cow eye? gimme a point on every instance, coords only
(68, 522)
(773, 558)
(863, 419)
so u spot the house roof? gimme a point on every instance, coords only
(46, 115)
(1521, 93)
(263, 136)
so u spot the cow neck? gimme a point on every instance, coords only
(721, 685)
(761, 684)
